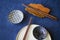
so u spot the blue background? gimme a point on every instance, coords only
(8, 31)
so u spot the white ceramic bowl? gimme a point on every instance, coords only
(16, 16)
(30, 35)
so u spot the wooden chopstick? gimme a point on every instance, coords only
(24, 38)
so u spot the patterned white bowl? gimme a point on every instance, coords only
(16, 16)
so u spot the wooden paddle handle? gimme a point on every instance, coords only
(50, 16)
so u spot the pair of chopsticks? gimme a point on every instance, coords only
(24, 38)
(40, 11)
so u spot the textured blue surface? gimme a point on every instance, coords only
(8, 31)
